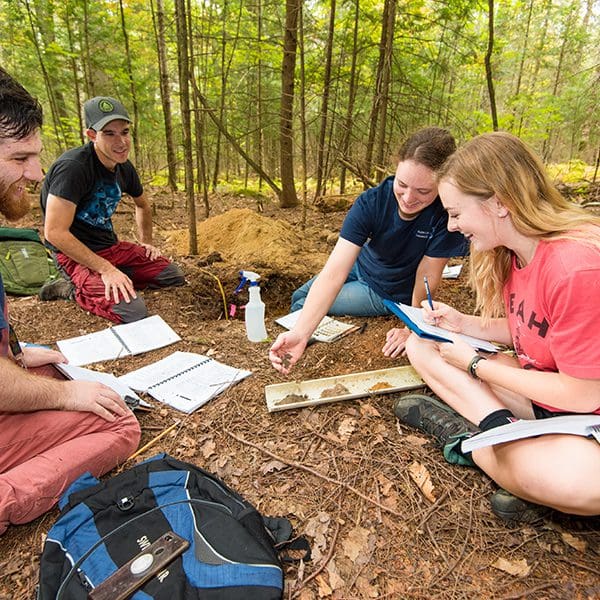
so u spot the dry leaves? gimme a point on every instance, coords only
(519, 568)
(574, 541)
(317, 528)
(420, 475)
(347, 428)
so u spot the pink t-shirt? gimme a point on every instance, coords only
(553, 309)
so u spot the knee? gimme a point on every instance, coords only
(131, 311)
(298, 298)
(170, 275)
(415, 350)
(130, 434)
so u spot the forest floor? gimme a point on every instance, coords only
(344, 473)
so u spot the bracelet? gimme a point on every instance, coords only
(472, 368)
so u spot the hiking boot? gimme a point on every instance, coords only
(511, 509)
(58, 289)
(433, 417)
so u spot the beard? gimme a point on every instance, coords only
(13, 203)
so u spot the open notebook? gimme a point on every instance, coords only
(184, 380)
(413, 319)
(328, 330)
(118, 341)
(585, 425)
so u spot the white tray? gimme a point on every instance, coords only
(296, 394)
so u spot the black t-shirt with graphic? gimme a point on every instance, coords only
(79, 177)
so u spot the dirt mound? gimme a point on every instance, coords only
(251, 241)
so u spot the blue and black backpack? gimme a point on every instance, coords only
(102, 526)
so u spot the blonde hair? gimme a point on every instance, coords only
(501, 164)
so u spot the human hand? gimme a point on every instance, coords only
(442, 315)
(286, 351)
(95, 397)
(152, 252)
(36, 356)
(458, 353)
(117, 284)
(395, 342)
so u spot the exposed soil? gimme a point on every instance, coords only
(386, 516)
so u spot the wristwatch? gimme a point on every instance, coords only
(472, 368)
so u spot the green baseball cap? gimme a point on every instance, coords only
(101, 110)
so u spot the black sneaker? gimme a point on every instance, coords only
(58, 289)
(431, 416)
(515, 510)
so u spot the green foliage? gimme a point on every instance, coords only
(543, 64)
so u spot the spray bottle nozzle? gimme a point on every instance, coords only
(247, 277)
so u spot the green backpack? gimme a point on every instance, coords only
(25, 263)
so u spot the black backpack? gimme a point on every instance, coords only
(103, 526)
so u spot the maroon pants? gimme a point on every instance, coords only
(126, 256)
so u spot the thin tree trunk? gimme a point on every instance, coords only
(56, 120)
(184, 79)
(132, 90)
(288, 197)
(488, 65)
(72, 62)
(158, 19)
(321, 155)
(351, 99)
(385, 86)
(303, 149)
(388, 8)
(202, 178)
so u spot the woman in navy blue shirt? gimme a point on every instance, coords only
(393, 236)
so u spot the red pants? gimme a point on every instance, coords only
(132, 260)
(43, 452)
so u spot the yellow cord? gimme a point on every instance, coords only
(222, 291)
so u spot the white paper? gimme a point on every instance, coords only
(118, 341)
(415, 314)
(146, 334)
(82, 374)
(184, 380)
(565, 424)
(451, 272)
(328, 330)
(92, 347)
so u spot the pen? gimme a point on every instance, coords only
(429, 299)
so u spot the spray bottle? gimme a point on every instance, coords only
(255, 309)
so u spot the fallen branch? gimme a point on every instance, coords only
(298, 588)
(302, 467)
(154, 440)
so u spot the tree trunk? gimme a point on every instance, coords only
(136, 138)
(488, 65)
(389, 9)
(304, 148)
(385, 86)
(288, 196)
(184, 101)
(351, 99)
(202, 177)
(321, 155)
(158, 20)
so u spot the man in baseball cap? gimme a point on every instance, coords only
(79, 196)
(101, 110)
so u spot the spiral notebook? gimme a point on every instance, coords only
(184, 380)
(328, 330)
(118, 341)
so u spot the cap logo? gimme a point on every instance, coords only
(105, 106)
